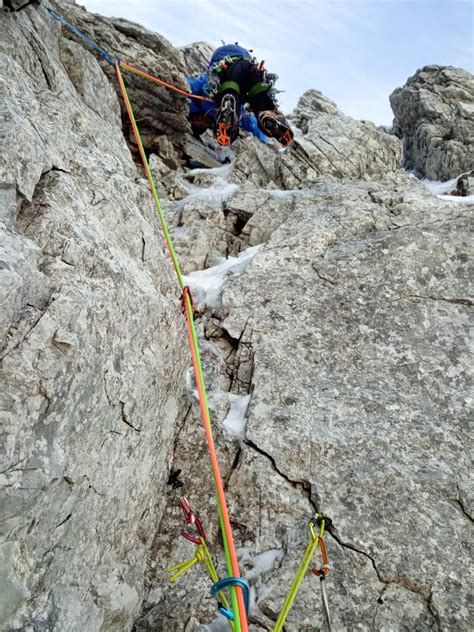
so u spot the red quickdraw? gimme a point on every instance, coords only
(191, 519)
(324, 569)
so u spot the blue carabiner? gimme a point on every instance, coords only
(231, 581)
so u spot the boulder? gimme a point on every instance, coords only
(196, 57)
(434, 115)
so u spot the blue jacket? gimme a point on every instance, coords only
(228, 50)
(199, 86)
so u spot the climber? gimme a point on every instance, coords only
(202, 114)
(234, 78)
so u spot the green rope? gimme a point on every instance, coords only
(152, 185)
(233, 594)
(189, 308)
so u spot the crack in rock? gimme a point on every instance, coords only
(303, 486)
(403, 582)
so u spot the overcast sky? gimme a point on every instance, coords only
(355, 51)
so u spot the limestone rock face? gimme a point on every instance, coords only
(434, 115)
(327, 142)
(333, 297)
(346, 332)
(91, 342)
(196, 57)
(162, 113)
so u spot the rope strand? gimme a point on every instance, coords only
(237, 595)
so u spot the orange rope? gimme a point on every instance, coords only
(236, 592)
(136, 133)
(214, 462)
(163, 83)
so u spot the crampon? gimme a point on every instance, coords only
(227, 121)
(275, 125)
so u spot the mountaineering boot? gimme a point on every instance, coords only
(227, 121)
(274, 124)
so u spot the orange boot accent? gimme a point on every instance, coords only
(223, 137)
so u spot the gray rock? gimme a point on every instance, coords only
(196, 57)
(434, 115)
(92, 374)
(162, 112)
(352, 373)
(347, 332)
(327, 143)
(205, 152)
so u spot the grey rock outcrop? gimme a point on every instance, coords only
(196, 57)
(335, 359)
(327, 143)
(92, 369)
(434, 115)
(347, 332)
(162, 113)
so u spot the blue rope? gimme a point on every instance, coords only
(59, 18)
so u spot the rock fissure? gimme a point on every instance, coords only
(303, 486)
(455, 301)
(23, 328)
(458, 503)
(125, 417)
(68, 517)
(404, 582)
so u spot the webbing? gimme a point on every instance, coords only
(315, 541)
(229, 85)
(237, 595)
(258, 88)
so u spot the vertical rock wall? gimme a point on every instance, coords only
(91, 340)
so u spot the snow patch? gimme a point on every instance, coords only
(236, 420)
(207, 285)
(221, 172)
(213, 196)
(260, 564)
(442, 189)
(459, 199)
(439, 188)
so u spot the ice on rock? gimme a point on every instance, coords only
(236, 420)
(213, 196)
(207, 285)
(442, 189)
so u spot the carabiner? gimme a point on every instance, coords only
(231, 581)
(191, 519)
